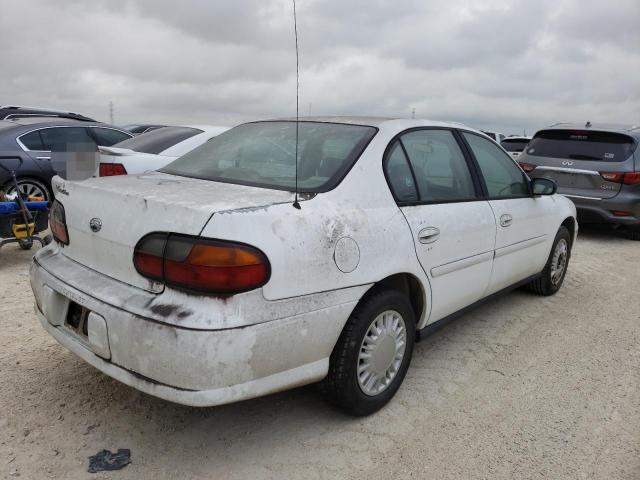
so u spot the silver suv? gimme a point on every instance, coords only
(596, 166)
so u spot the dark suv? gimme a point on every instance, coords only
(33, 140)
(15, 113)
(596, 166)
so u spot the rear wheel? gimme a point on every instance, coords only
(372, 356)
(556, 268)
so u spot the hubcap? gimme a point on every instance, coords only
(381, 352)
(559, 261)
(26, 189)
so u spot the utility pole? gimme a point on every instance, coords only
(111, 112)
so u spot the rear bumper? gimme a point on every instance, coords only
(191, 366)
(594, 210)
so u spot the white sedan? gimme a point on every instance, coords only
(515, 145)
(154, 149)
(217, 286)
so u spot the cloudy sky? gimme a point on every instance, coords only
(505, 65)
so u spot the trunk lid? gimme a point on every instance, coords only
(131, 206)
(575, 160)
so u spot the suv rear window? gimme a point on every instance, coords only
(263, 154)
(158, 140)
(582, 145)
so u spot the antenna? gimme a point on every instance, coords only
(111, 112)
(296, 203)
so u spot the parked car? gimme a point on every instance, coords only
(34, 139)
(596, 166)
(14, 113)
(153, 150)
(498, 137)
(515, 145)
(140, 129)
(218, 286)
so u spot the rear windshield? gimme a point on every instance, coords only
(513, 145)
(490, 134)
(263, 154)
(159, 140)
(582, 145)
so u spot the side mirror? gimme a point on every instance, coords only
(543, 186)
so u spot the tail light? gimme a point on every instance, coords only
(621, 213)
(527, 167)
(201, 264)
(58, 223)
(112, 169)
(631, 178)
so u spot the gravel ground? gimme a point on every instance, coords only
(522, 387)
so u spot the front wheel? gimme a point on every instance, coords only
(372, 356)
(555, 270)
(634, 233)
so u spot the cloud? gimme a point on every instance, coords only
(506, 65)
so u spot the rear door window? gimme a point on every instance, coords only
(65, 139)
(582, 145)
(32, 141)
(439, 166)
(399, 175)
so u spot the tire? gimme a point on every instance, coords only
(343, 386)
(634, 233)
(25, 244)
(29, 186)
(551, 280)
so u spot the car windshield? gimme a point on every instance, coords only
(513, 145)
(157, 141)
(263, 154)
(581, 145)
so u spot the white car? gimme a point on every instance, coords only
(497, 136)
(515, 145)
(155, 149)
(207, 283)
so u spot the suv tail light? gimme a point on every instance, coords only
(201, 264)
(527, 167)
(631, 178)
(112, 169)
(58, 223)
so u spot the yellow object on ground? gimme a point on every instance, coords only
(20, 230)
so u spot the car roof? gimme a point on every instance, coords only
(378, 121)
(631, 130)
(22, 110)
(26, 125)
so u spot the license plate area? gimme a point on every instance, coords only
(76, 319)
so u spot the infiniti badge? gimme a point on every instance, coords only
(95, 224)
(568, 163)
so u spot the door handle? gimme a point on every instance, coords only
(429, 235)
(506, 220)
(43, 158)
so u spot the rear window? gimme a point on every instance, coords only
(582, 145)
(158, 140)
(513, 145)
(262, 154)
